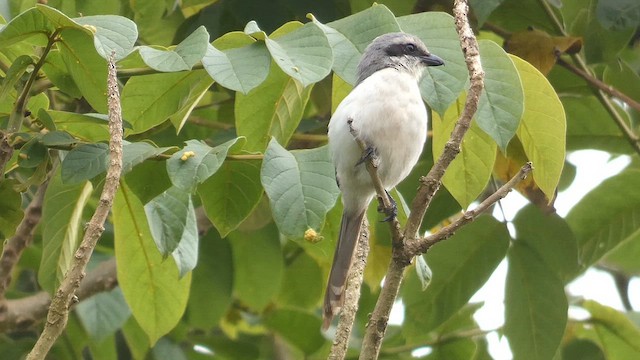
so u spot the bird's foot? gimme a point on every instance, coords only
(392, 211)
(369, 154)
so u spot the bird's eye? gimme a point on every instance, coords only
(410, 48)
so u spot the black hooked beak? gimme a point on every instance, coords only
(432, 60)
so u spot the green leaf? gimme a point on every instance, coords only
(302, 285)
(150, 99)
(14, 74)
(470, 171)
(195, 163)
(441, 85)
(135, 153)
(550, 236)
(301, 187)
(197, 92)
(167, 349)
(607, 217)
(614, 321)
(32, 154)
(112, 34)
(87, 68)
(56, 71)
(299, 328)
(62, 228)
(151, 285)
(171, 220)
(258, 266)
(183, 57)
(349, 37)
(461, 265)
(85, 162)
(24, 26)
(304, 53)
(135, 338)
(589, 126)
(240, 68)
(618, 15)
(483, 8)
(535, 305)
(103, 314)
(86, 127)
(273, 109)
(212, 282)
(543, 127)
(10, 209)
(231, 194)
(58, 138)
(501, 102)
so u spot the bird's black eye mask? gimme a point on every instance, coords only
(402, 49)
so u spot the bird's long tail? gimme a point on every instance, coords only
(342, 259)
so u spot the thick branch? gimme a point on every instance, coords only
(22, 314)
(14, 246)
(351, 297)
(59, 310)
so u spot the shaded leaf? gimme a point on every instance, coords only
(301, 187)
(135, 153)
(103, 314)
(540, 49)
(299, 328)
(183, 57)
(10, 209)
(85, 162)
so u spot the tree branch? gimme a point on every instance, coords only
(351, 297)
(64, 296)
(14, 246)
(21, 314)
(377, 325)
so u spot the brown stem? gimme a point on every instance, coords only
(65, 295)
(14, 246)
(351, 297)
(22, 314)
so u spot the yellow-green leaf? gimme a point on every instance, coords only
(543, 127)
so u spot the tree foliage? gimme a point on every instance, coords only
(227, 213)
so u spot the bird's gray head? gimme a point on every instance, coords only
(400, 51)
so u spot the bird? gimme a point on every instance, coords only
(386, 111)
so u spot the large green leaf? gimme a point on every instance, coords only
(441, 85)
(151, 285)
(182, 57)
(618, 14)
(62, 229)
(349, 37)
(299, 328)
(607, 217)
(273, 109)
(301, 187)
(589, 126)
(112, 33)
(542, 130)
(85, 162)
(83, 126)
(149, 100)
(501, 103)
(87, 68)
(535, 305)
(461, 265)
(135, 153)
(24, 26)
(301, 51)
(236, 61)
(212, 282)
(229, 196)
(257, 266)
(103, 314)
(550, 236)
(303, 284)
(470, 171)
(56, 71)
(616, 322)
(196, 162)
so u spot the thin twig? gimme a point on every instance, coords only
(65, 295)
(351, 296)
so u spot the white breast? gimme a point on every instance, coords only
(387, 113)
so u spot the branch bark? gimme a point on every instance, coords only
(65, 295)
(352, 296)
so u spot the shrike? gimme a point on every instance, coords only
(386, 111)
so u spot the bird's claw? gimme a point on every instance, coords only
(391, 212)
(370, 153)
